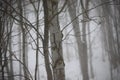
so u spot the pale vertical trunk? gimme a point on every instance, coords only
(76, 28)
(90, 54)
(84, 7)
(20, 53)
(37, 50)
(84, 62)
(56, 43)
(36, 10)
(24, 54)
(67, 48)
(37, 46)
(26, 36)
(82, 46)
(11, 61)
(108, 35)
(111, 52)
(108, 46)
(52, 23)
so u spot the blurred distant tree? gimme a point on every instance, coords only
(24, 41)
(81, 40)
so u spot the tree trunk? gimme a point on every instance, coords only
(46, 40)
(90, 54)
(84, 6)
(37, 46)
(56, 43)
(20, 53)
(82, 46)
(11, 61)
(24, 48)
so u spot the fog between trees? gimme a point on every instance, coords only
(59, 40)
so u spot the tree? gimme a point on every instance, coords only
(24, 53)
(46, 39)
(15, 17)
(55, 39)
(82, 44)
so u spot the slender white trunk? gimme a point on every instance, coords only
(90, 54)
(56, 44)
(24, 44)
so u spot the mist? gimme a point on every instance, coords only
(59, 40)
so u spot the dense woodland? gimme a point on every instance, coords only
(59, 39)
